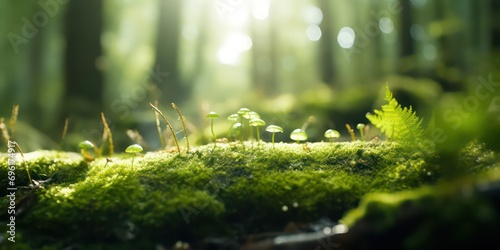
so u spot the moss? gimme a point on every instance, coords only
(229, 190)
(466, 209)
(63, 167)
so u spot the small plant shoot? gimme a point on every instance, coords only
(168, 125)
(181, 117)
(351, 132)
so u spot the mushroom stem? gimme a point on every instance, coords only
(258, 134)
(213, 134)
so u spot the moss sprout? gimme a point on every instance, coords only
(181, 117)
(109, 136)
(168, 125)
(351, 132)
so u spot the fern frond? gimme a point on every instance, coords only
(398, 123)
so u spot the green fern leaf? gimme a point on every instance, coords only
(398, 123)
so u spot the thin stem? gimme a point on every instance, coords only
(25, 165)
(241, 129)
(258, 134)
(251, 134)
(13, 119)
(158, 128)
(110, 136)
(213, 134)
(65, 129)
(168, 125)
(273, 139)
(183, 124)
(351, 132)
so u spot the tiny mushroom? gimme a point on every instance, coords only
(235, 129)
(331, 134)
(84, 146)
(133, 149)
(361, 127)
(213, 115)
(298, 135)
(274, 129)
(233, 117)
(242, 113)
(257, 122)
(251, 114)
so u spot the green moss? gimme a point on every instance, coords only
(465, 209)
(228, 190)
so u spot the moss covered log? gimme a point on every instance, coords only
(228, 191)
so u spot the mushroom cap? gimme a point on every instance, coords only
(251, 115)
(212, 115)
(236, 125)
(86, 144)
(243, 111)
(233, 117)
(298, 135)
(332, 133)
(274, 129)
(360, 126)
(134, 148)
(257, 122)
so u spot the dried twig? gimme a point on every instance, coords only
(13, 118)
(158, 128)
(351, 132)
(108, 132)
(183, 124)
(168, 124)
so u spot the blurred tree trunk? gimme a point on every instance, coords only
(265, 52)
(31, 65)
(201, 41)
(272, 80)
(326, 43)
(84, 82)
(167, 50)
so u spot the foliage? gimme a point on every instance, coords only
(398, 123)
